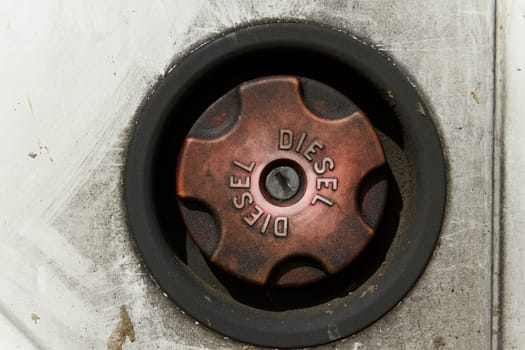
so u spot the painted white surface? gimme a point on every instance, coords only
(513, 311)
(72, 75)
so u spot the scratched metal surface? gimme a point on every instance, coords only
(73, 74)
(511, 148)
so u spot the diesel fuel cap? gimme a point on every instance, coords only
(285, 184)
(281, 164)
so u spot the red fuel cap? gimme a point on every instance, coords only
(283, 180)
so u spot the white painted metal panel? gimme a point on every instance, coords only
(73, 74)
(512, 97)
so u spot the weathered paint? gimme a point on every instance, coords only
(73, 74)
(511, 51)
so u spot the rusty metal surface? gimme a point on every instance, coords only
(224, 170)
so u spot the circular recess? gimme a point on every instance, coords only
(274, 313)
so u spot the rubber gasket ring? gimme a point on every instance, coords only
(299, 327)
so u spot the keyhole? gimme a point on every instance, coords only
(283, 182)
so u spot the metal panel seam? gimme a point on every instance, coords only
(498, 175)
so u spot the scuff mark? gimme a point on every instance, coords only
(35, 318)
(390, 98)
(421, 109)
(41, 149)
(439, 342)
(30, 106)
(332, 332)
(475, 96)
(358, 346)
(370, 290)
(45, 149)
(124, 329)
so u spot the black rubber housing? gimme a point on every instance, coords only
(401, 249)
